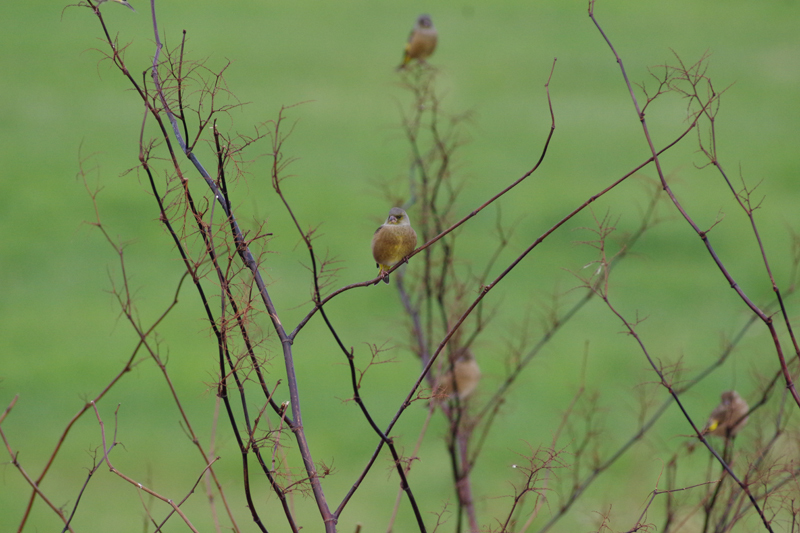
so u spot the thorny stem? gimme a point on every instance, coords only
(702, 234)
(143, 335)
(107, 460)
(704, 237)
(250, 262)
(35, 485)
(743, 199)
(632, 332)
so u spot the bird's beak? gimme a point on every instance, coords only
(392, 219)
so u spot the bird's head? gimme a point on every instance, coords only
(397, 217)
(729, 396)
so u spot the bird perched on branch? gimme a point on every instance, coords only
(467, 374)
(421, 42)
(729, 417)
(123, 2)
(393, 241)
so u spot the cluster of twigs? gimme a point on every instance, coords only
(447, 313)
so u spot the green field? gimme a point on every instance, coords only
(64, 337)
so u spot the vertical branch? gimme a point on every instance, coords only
(248, 259)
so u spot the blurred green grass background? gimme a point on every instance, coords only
(64, 338)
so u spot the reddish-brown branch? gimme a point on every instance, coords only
(34, 484)
(632, 332)
(168, 501)
(767, 320)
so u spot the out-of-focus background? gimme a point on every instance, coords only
(62, 336)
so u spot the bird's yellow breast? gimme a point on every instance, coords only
(391, 243)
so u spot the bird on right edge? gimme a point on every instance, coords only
(393, 241)
(729, 417)
(421, 42)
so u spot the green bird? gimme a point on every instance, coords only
(393, 241)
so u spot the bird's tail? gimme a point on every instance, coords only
(406, 61)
